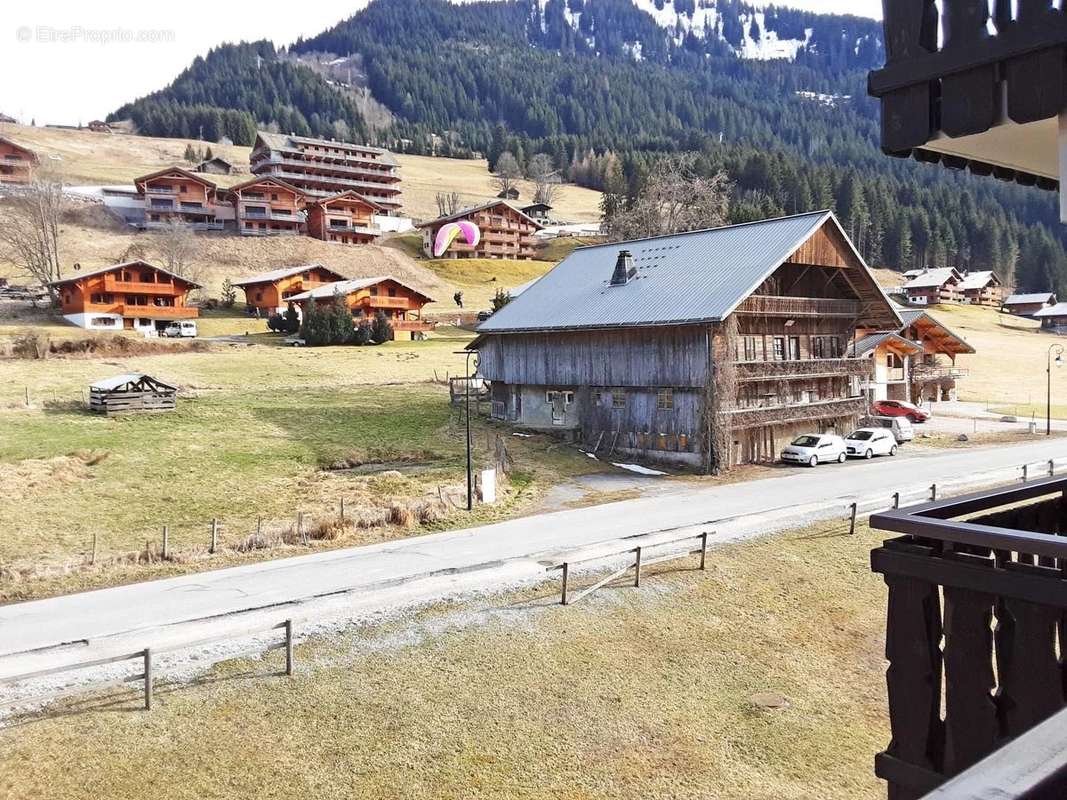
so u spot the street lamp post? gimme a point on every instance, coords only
(1058, 350)
(467, 408)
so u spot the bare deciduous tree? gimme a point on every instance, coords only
(30, 233)
(507, 172)
(673, 200)
(447, 203)
(545, 177)
(178, 249)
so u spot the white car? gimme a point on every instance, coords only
(871, 442)
(184, 329)
(814, 449)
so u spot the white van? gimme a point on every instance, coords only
(903, 431)
(183, 329)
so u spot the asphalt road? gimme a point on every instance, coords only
(796, 496)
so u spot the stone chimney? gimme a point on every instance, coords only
(624, 269)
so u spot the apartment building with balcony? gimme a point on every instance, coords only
(322, 168)
(271, 292)
(133, 296)
(267, 207)
(347, 218)
(17, 163)
(706, 348)
(506, 232)
(175, 194)
(983, 288)
(366, 297)
(929, 287)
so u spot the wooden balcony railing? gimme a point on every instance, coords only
(797, 412)
(377, 301)
(413, 325)
(750, 371)
(774, 305)
(159, 312)
(927, 372)
(113, 284)
(975, 611)
(955, 86)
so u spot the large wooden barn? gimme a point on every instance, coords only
(707, 348)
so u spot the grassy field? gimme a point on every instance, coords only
(1008, 369)
(258, 433)
(635, 693)
(86, 158)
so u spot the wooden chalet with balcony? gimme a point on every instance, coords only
(17, 163)
(915, 362)
(135, 296)
(1026, 305)
(267, 207)
(347, 218)
(706, 348)
(506, 232)
(932, 286)
(175, 194)
(322, 168)
(981, 289)
(271, 292)
(366, 297)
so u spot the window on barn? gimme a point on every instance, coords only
(618, 398)
(779, 348)
(665, 399)
(794, 348)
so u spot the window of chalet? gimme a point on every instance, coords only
(618, 398)
(374, 291)
(568, 397)
(392, 292)
(779, 348)
(100, 298)
(105, 322)
(794, 348)
(665, 399)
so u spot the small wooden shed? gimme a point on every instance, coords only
(134, 393)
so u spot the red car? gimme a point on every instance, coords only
(898, 408)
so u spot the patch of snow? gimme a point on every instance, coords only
(591, 455)
(829, 100)
(636, 468)
(523, 435)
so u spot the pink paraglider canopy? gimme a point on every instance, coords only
(450, 231)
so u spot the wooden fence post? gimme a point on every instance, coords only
(148, 679)
(637, 566)
(342, 511)
(566, 570)
(704, 550)
(300, 527)
(1051, 467)
(92, 559)
(214, 535)
(896, 499)
(933, 492)
(288, 647)
(27, 397)
(166, 542)
(1025, 470)
(147, 551)
(852, 520)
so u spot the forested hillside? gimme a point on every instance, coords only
(606, 86)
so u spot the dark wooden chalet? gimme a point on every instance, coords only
(706, 348)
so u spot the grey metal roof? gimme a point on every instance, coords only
(1058, 310)
(979, 280)
(466, 212)
(138, 263)
(283, 141)
(349, 286)
(684, 278)
(282, 272)
(117, 381)
(866, 345)
(1021, 299)
(932, 278)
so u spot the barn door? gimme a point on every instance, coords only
(559, 408)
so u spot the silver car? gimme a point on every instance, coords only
(814, 449)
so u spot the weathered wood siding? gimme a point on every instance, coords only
(669, 356)
(640, 423)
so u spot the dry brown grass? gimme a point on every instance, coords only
(632, 694)
(87, 158)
